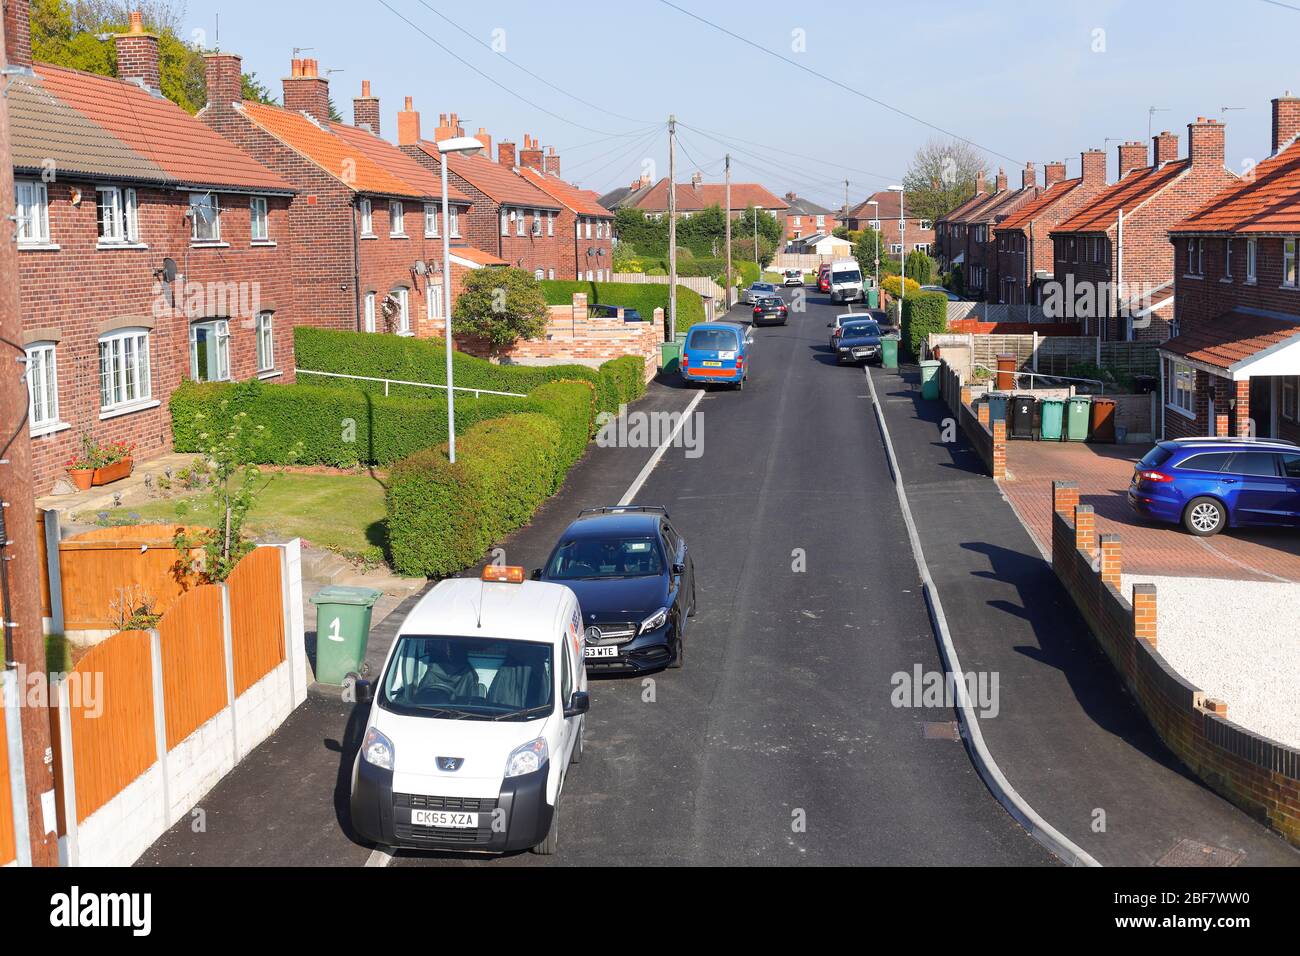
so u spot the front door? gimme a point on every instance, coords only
(1261, 406)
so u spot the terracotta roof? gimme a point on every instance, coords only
(478, 256)
(1232, 338)
(1127, 194)
(576, 199)
(888, 200)
(971, 212)
(396, 162)
(188, 152)
(691, 198)
(501, 183)
(1267, 202)
(333, 153)
(961, 209)
(1035, 207)
(1011, 200)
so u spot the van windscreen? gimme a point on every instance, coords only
(713, 340)
(847, 276)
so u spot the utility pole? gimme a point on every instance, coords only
(670, 320)
(846, 204)
(728, 231)
(24, 643)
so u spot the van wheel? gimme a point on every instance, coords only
(552, 842)
(1204, 517)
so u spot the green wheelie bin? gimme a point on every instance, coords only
(889, 352)
(997, 407)
(930, 379)
(1052, 411)
(1078, 412)
(342, 628)
(670, 354)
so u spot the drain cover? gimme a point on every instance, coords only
(1194, 853)
(940, 730)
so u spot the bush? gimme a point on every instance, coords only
(891, 285)
(749, 271)
(500, 307)
(923, 313)
(644, 298)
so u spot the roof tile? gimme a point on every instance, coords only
(501, 183)
(1231, 338)
(1135, 188)
(1268, 201)
(1035, 207)
(578, 200)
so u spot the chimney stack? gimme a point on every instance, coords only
(980, 184)
(1053, 173)
(18, 33)
(1132, 155)
(137, 55)
(1165, 148)
(697, 179)
(1028, 176)
(1286, 120)
(408, 125)
(306, 91)
(506, 153)
(552, 162)
(531, 155)
(1001, 181)
(365, 109)
(483, 137)
(1093, 164)
(1205, 143)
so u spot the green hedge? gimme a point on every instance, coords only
(749, 272)
(923, 313)
(645, 298)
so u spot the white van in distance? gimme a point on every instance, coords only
(475, 720)
(846, 281)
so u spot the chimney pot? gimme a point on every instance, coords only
(408, 124)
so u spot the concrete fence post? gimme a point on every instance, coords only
(1144, 613)
(295, 642)
(160, 721)
(228, 644)
(54, 571)
(71, 852)
(1111, 559)
(1085, 529)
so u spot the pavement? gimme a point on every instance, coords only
(1066, 735)
(1103, 473)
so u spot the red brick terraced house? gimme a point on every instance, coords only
(1024, 251)
(917, 233)
(510, 219)
(1113, 259)
(697, 195)
(805, 218)
(1234, 361)
(588, 226)
(150, 250)
(950, 231)
(366, 220)
(980, 275)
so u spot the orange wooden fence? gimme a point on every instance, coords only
(256, 617)
(193, 661)
(112, 749)
(7, 850)
(103, 566)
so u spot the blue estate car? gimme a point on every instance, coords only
(1208, 484)
(716, 352)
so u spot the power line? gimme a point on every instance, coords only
(776, 149)
(636, 147)
(652, 131)
(844, 86)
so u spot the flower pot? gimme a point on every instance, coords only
(82, 477)
(111, 473)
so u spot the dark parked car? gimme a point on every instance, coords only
(770, 311)
(857, 341)
(1208, 484)
(601, 311)
(635, 582)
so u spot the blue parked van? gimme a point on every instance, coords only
(1208, 484)
(716, 352)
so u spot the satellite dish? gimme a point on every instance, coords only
(169, 271)
(421, 268)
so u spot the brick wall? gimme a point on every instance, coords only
(573, 336)
(989, 439)
(1259, 775)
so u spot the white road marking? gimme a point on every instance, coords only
(379, 856)
(659, 452)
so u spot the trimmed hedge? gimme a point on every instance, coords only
(923, 313)
(645, 298)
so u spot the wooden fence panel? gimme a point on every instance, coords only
(8, 851)
(101, 566)
(256, 616)
(114, 747)
(1135, 358)
(192, 636)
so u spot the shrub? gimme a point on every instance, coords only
(923, 313)
(500, 306)
(572, 405)
(749, 271)
(644, 298)
(920, 267)
(891, 285)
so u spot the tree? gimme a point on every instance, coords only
(920, 267)
(869, 247)
(500, 306)
(251, 88)
(743, 249)
(769, 227)
(942, 176)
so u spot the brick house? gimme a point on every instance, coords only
(697, 195)
(150, 250)
(510, 218)
(981, 253)
(917, 233)
(805, 218)
(950, 232)
(366, 220)
(1119, 279)
(588, 227)
(1024, 253)
(1234, 360)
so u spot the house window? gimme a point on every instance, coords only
(875, 224)
(1290, 387)
(537, 222)
(520, 217)
(1252, 249)
(259, 224)
(925, 224)
(453, 221)
(538, 274)
(210, 351)
(401, 310)
(505, 221)
(550, 273)
(116, 214)
(433, 301)
(42, 386)
(396, 218)
(821, 223)
(367, 218)
(430, 221)
(922, 247)
(1288, 262)
(577, 228)
(205, 213)
(895, 248)
(588, 228)
(265, 342)
(1196, 257)
(550, 222)
(1227, 259)
(600, 229)
(124, 369)
(33, 213)
(370, 312)
(1181, 387)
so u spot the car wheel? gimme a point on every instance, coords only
(740, 386)
(679, 648)
(552, 841)
(691, 612)
(1204, 517)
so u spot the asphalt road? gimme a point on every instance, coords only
(777, 743)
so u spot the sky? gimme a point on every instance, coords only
(1022, 80)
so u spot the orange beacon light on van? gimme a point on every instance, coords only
(504, 574)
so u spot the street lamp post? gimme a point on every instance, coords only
(465, 145)
(902, 252)
(875, 217)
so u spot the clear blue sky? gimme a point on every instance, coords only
(1022, 79)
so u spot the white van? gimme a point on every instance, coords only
(846, 281)
(476, 717)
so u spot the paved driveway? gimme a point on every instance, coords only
(1103, 473)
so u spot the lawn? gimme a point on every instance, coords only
(341, 512)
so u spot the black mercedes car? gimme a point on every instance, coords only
(770, 311)
(635, 582)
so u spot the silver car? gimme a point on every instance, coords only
(759, 290)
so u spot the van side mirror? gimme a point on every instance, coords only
(579, 704)
(537, 574)
(679, 569)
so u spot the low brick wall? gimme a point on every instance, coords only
(1259, 775)
(976, 327)
(989, 439)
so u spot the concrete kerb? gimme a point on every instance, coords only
(1001, 788)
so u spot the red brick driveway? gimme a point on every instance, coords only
(1103, 473)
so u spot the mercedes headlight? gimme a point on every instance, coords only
(655, 620)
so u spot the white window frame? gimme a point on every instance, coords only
(265, 328)
(396, 219)
(505, 221)
(1180, 388)
(220, 331)
(43, 378)
(537, 223)
(1289, 263)
(539, 274)
(367, 217)
(1227, 260)
(577, 228)
(368, 315)
(589, 227)
(258, 212)
(197, 202)
(116, 216)
(520, 222)
(1252, 260)
(550, 222)
(550, 273)
(124, 359)
(32, 213)
(431, 221)
(453, 222)
(433, 300)
(403, 296)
